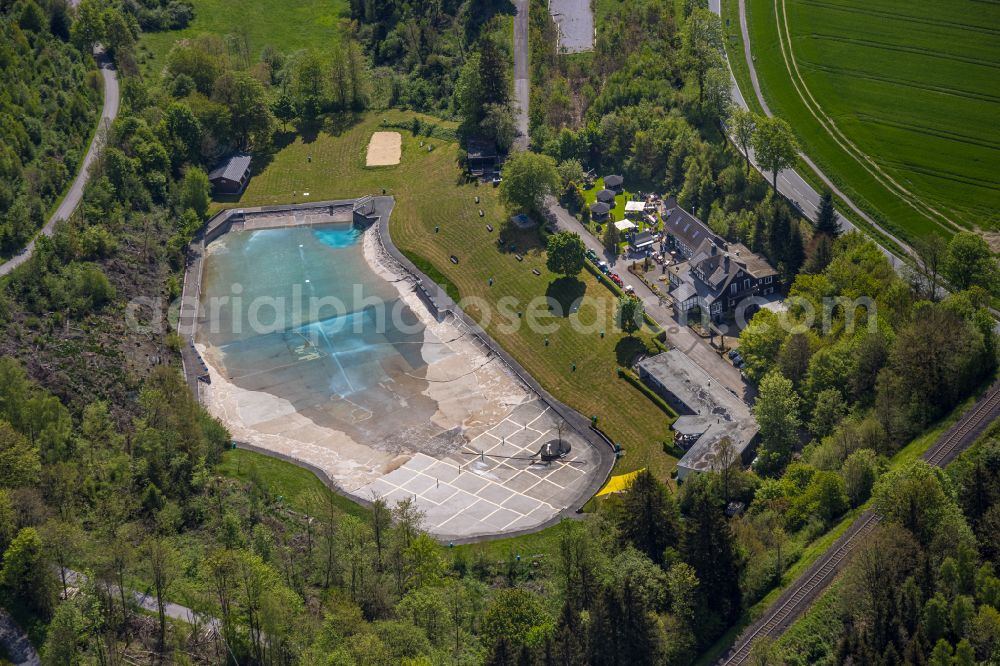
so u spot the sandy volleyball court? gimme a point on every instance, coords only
(384, 149)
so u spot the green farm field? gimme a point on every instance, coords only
(288, 26)
(897, 101)
(429, 194)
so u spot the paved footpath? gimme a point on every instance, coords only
(109, 112)
(521, 83)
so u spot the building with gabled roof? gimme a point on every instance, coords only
(684, 231)
(708, 411)
(232, 174)
(710, 273)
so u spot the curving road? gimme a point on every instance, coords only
(790, 182)
(112, 100)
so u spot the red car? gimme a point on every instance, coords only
(617, 280)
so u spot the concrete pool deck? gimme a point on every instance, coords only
(473, 468)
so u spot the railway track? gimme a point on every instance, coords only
(797, 598)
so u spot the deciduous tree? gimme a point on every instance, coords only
(565, 253)
(629, 314)
(702, 46)
(527, 179)
(774, 146)
(743, 124)
(777, 412)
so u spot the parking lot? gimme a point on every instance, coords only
(576, 24)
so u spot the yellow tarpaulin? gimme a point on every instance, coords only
(616, 484)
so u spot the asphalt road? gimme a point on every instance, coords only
(112, 99)
(660, 309)
(790, 183)
(521, 84)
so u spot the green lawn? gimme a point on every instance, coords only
(287, 26)
(293, 483)
(910, 86)
(428, 195)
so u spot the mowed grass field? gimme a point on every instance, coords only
(288, 26)
(912, 86)
(429, 194)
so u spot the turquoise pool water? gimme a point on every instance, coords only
(297, 312)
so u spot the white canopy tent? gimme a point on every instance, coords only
(635, 206)
(624, 225)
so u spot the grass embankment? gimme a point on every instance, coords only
(294, 484)
(287, 26)
(907, 87)
(429, 195)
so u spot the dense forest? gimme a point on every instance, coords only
(109, 468)
(924, 587)
(647, 104)
(50, 94)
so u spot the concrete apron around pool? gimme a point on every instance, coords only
(481, 479)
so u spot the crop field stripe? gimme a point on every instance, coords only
(903, 83)
(814, 108)
(945, 175)
(881, 46)
(903, 18)
(933, 131)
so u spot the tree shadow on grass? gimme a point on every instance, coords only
(629, 349)
(513, 239)
(563, 293)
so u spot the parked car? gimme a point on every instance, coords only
(617, 280)
(603, 265)
(733, 353)
(739, 363)
(629, 289)
(591, 255)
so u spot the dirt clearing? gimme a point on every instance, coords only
(384, 149)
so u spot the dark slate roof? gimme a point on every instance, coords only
(642, 238)
(600, 208)
(479, 149)
(606, 196)
(613, 181)
(688, 229)
(232, 168)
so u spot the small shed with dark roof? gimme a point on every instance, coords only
(614, 183)
(599, 210)
(606, 196)
(232, 174)
(482, 156)
(642, 240)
